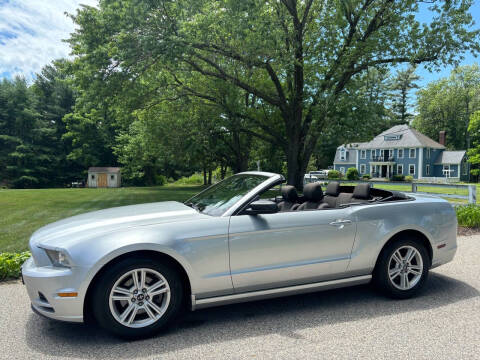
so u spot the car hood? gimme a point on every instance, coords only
(113, 219)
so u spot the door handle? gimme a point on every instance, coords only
(340, 223)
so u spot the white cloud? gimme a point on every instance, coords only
(31, 33)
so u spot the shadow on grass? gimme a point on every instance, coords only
(283, 316)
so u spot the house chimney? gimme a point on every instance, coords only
(442, 137)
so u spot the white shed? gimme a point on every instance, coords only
(104, 177)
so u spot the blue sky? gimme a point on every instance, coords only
(31, 33)
(427, 76)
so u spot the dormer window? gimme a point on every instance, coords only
(392, 137)
(343, 154)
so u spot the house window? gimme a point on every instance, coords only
(412, 154)
(428, 153)
(446, 170)
(112, 177)
(427, 170)
(93, 177)
(465, 168)
(363, 154)
(342, 170)
(400, 169)
(411, 169)
(390, 153)
(343, 155)
(400, 153)
(372, 154)
(362, 168)
(382, 153)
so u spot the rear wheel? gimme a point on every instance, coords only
(137, 298)
(402, 268)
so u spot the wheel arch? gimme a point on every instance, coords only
(153, 254)
(413, 234)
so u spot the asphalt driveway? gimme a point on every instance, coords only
(443, 323)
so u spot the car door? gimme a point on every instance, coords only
(289, 248)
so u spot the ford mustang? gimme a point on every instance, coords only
(134, 269)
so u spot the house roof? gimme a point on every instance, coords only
(450, 157)
(104, 169)
(408, 138)
(351, 155)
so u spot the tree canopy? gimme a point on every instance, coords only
(291, 61)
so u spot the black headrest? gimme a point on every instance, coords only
(313, 192)
(362, 191)
(289, 193)
(333, 188)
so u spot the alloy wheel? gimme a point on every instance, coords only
(139, 298)
(405, 267)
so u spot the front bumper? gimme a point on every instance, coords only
(43, 284)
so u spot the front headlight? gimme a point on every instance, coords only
(57, 258)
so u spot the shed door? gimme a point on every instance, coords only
(102, 180)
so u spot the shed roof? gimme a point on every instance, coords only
(104, 169)
(450, 157)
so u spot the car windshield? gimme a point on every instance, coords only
(217, 199)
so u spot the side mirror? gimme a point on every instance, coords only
(261, 207)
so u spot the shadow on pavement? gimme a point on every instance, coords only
(282, 316)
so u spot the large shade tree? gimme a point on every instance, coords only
(448, 104)
(293, 59)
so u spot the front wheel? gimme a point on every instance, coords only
(402, 269)
(137, 298)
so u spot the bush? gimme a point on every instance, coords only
(334, 174)
(352, 174)
(195, 179)
(468, 215)
(398, 178)
(160, 180)
(409, 178)
(366, 177)
(11, 264)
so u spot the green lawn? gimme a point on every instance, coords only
(24, 211)
(407, 187)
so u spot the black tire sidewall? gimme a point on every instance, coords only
(101, 294)
(381, 278)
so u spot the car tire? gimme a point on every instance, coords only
(402, 268)
(151, 310)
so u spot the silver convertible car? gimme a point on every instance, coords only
(134, 269)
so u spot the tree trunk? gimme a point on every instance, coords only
(204, 176)
(297, 161)
(223, 171)
(209, 176)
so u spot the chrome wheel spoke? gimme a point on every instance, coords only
(416, 270)
(404, 281)
(126, 312)
(154, 307)
(135, 279)
(394, 273)
(397, 257)
(121, 297)
(132, 316)
(158, 286)
(143, 275)
(120, 290)
(410, 254)
(149, 312)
